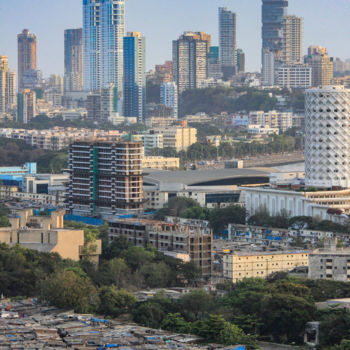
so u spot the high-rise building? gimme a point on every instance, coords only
(327, 139)
(92, 44)
(273, 12)
(190, 60)
(240, 59)
(168, 97)
(32, 79)
(26, 106)
(268, 68)
(292, 40)
(26, 54)
(135, 76)
(105, 178)
(227, 40)
(214, 63)
(102, 105)
(321, 64)
(73, 60)
(103, 33)
(8, 97)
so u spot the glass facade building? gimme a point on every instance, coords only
(104, 29)
(273, 12)
(73, 59)
(134, 76)
(227, 37)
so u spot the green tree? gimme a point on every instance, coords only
(115, 302)
(176, 323)
(156, 274)
(70, 289)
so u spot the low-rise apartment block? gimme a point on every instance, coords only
(161, 163)
(178, 137)
(47, 234)
(183, 236)
(240, 265)
(330, 263)
(57, 138)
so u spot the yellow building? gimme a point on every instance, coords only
(47, 234)
(239, 265)
(165, 163)
(7, 192)
(178, 137)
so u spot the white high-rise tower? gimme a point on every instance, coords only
(327, 139)
(103, 33)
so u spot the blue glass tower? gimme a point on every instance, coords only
(134, 76)
(273, 12)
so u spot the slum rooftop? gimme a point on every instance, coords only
(29, 325)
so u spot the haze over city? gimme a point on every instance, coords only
(161, 21)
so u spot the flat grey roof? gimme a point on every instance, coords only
(210, 177)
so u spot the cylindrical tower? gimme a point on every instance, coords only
(327, 139)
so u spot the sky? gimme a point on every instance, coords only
(326, 23)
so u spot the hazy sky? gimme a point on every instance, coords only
(326, 23)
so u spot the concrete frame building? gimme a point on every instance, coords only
(330, 263)
(105, 178)
(227, 40)
(190, 60)
(169, 97)
(185, 236)
(135, 76)
(73, 60)
(26, 42)
(327, 141)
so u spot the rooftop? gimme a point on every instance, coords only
(210, 177)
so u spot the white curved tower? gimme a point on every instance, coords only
(327, 139)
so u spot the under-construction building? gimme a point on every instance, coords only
(105, 178)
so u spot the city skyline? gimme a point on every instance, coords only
(50, 29)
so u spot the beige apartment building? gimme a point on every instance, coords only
(166, 163)
(178, 137)
(240, 265)
(47, 234)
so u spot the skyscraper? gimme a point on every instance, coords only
(327, 140)
(168, 97)
(104, 28)
(268, 68)
(8, 97)
(292, 40)
(227, 40)
(321, 64)
(73, 60)
(240, 59)
(26, 42)
(135, 76)
(26, 106)
(273, 12)
(190, 60)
